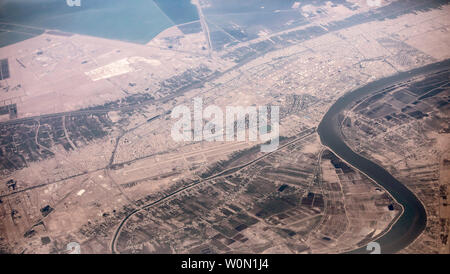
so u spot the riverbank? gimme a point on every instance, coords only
(413, 220)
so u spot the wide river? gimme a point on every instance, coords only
(414, 218)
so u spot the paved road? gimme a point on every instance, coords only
(224, 173)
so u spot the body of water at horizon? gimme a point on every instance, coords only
(136, 21)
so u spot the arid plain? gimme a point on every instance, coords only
(86, 153)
